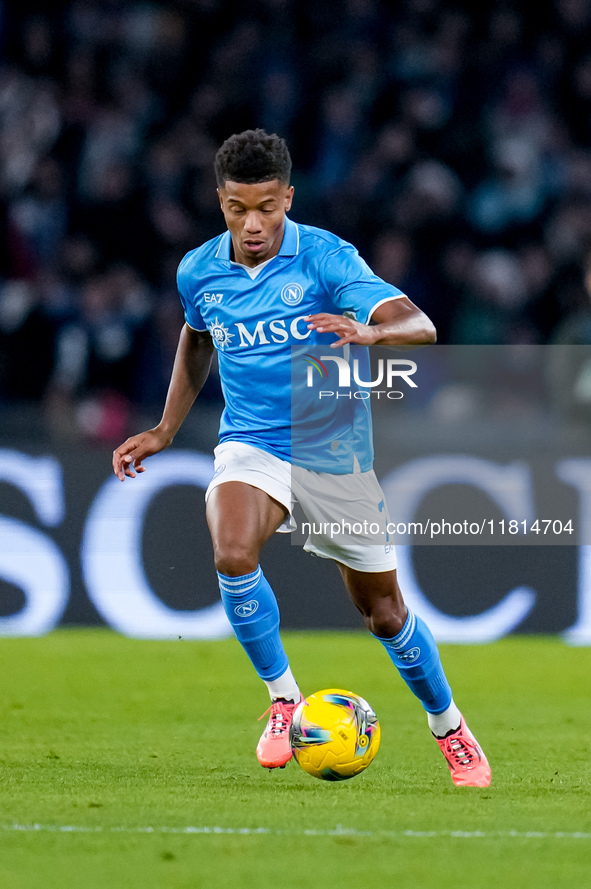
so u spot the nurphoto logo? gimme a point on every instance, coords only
(388, 371)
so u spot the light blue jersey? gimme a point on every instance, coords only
(259, 329)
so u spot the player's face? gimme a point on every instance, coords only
(255, 215)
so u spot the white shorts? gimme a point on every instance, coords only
(346, 515)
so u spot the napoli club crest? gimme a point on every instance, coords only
(292, 294)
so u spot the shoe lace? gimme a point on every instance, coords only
(462, 750)
(280, 718)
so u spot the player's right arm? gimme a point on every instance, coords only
(191, 368)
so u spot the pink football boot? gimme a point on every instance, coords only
(467, 763)
(274, 748)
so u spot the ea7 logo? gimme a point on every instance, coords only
(213, 297)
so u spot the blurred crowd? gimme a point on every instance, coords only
(449, 141)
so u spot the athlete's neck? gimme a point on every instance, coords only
(253, 271)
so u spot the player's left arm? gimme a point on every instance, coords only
(397, 322)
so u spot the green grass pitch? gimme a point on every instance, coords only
(119, 758)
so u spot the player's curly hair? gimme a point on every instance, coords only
(252, 156)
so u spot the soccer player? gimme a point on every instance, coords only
(265, 285)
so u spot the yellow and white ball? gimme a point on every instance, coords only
(334, 734)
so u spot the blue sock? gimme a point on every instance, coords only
(252, 610)
(415, 655)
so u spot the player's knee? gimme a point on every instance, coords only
(385, 618)
(234, 558)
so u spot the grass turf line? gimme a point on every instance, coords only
(99, 731)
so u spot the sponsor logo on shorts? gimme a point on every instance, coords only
(245, 609)
(410, 656)
(219, 470)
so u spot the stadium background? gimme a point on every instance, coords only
(451, 145)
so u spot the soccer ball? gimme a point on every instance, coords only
(334, 734)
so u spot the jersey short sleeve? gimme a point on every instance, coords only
(192, 313)
(352, 285)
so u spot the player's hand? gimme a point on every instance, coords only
(129, 456)
(348, 330)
